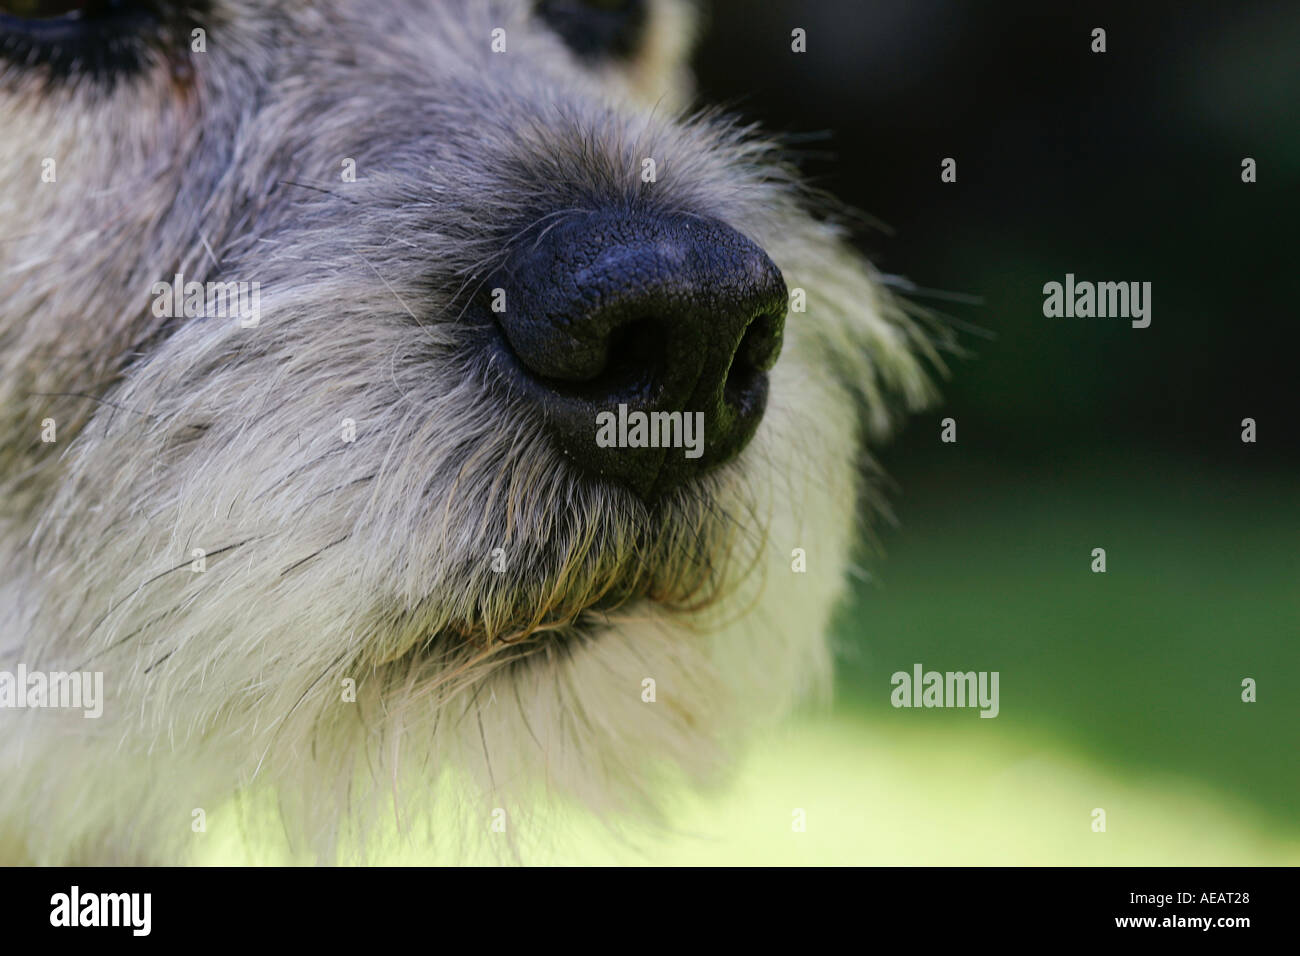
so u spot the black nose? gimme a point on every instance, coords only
(644, 342)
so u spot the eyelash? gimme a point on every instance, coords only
(595, 31)
(103, 41)
(110, 38)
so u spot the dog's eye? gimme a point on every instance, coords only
(597, 29)
(102, 37)
(42, 8)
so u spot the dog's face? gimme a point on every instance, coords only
(473, 227)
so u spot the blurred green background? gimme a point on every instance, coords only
(1119, 690)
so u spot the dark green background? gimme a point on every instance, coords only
(1075, 433)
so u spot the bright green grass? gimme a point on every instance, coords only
(1137, 671)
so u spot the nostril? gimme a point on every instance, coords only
(761, 345)
(633, 355)
(756, 354)
(636, 353)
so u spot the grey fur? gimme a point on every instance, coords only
(371, 560)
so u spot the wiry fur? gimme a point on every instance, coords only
(372, 560)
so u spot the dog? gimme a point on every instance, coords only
(311, 315)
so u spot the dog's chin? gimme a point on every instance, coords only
(521, 635)
(675, 558)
